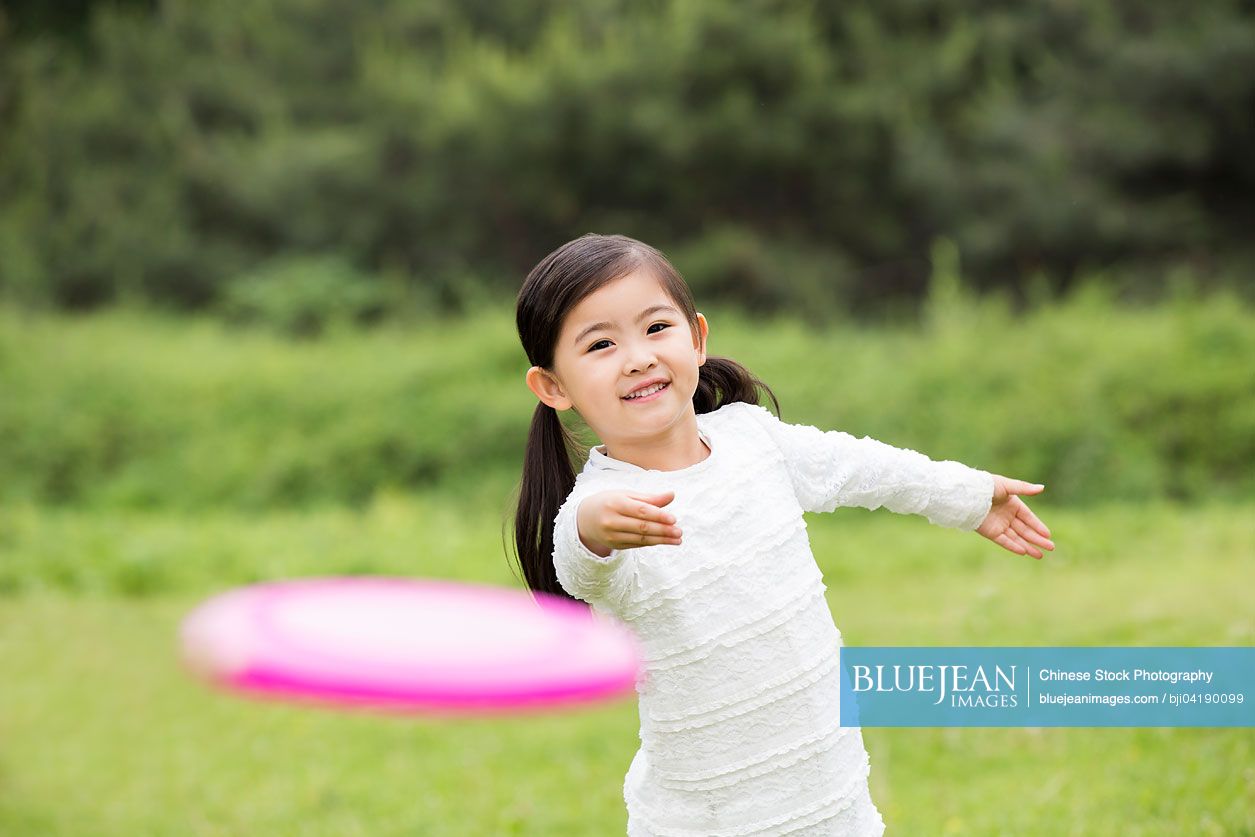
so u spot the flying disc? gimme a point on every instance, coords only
(408, 645)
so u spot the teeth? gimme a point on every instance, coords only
(647, 391)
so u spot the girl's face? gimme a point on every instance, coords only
(625, 334)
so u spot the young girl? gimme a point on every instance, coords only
(686, 524)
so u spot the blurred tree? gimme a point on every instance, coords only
(790, 154)
(65, 19)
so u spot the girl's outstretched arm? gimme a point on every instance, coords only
(1011, 523)
(831, 468)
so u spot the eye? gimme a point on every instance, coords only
(593, 347)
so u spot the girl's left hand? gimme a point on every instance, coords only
(1010, 523)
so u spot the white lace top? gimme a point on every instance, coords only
(739, 699)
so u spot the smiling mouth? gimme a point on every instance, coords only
(652, 396)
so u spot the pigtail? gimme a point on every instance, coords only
(721, 380)
(548, 477)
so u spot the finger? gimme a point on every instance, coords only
(1028, 548)
(634, 530)
(626, 540)
(1007, 541)
(1026, 513)
(1022, 487)
(641, 508)
(1027, 533)
(660, 499)
(1012, 542)
(643, 532)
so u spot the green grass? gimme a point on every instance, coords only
(131, 410)
(150, 461)
(101, 732)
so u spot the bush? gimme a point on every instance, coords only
(304, 296)
(1097, 401)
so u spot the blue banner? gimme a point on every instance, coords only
(1039, 686)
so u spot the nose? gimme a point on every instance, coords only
(641, 357)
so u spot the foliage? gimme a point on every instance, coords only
(304, 296)
(793, 155)
(1099, 401)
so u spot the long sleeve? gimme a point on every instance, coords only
(582, 572)
(831, 468)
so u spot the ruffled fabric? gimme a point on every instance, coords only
(740, 692)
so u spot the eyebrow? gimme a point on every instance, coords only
(653, 309)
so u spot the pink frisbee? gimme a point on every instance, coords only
(408, 645)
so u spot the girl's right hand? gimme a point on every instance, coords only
(626, 519)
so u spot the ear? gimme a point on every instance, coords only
(700, 345)
(547, 388)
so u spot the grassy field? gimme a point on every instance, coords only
(149, 461)
(101, 733)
